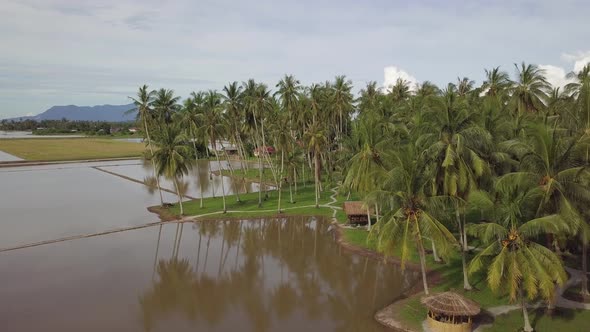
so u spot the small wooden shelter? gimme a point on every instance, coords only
(450, 312)
(356, 213)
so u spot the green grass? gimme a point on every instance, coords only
(563, 320)
(304, 204)
(59, 149)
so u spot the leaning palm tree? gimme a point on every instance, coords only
(515, 263)
(213, 128)
(188, 116)
(411, 217)
(143, 107)
(172, 156)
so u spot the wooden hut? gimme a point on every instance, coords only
(356, 213)
(450, 312)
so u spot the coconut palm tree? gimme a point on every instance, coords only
(368, 166)
(464, 85)
(188, 115)
(400, 90)
(530, 89)
(213, 127)
(580, 90)
(514, 262)
(456, 145)
(143, 107)
(288, 92)
(315, 138)
(369, 96)
(234, 112)
(172, 157)
(165, 105)
(409, 219)
(342, 102)
(284, 142)
(496, 82)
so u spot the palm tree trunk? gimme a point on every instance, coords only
(221, 177)
(147, 134)
(302, 173)
(179, 196)
(525, 314)
(422, 264)
(466, 284)
(317, 178)
(291, 190)
(368, 218)
(198, 172)
(280, 188)
(295, 180)
(260, 184)
(233, 178)
(465, 245)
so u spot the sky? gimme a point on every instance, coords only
(62, 52)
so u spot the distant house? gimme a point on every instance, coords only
(222, 146)
(265, 149)
(133, 130)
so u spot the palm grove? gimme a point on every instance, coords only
(503, 165)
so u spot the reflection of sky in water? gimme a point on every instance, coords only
(8, 157)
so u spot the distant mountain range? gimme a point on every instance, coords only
(110, 113)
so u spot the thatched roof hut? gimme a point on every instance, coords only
(450, 312)
(355, 212)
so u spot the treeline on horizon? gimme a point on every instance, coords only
(64, 126)
(504, 163)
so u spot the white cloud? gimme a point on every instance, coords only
(392, 73)
(556, 76)
(580, 59)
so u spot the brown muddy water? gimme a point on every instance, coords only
(266, 274)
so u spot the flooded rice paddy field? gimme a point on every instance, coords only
(270, 274)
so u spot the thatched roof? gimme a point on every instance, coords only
(353, 208)
(451, 304)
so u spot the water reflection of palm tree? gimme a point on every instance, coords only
(346, 290)
(170, 293)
